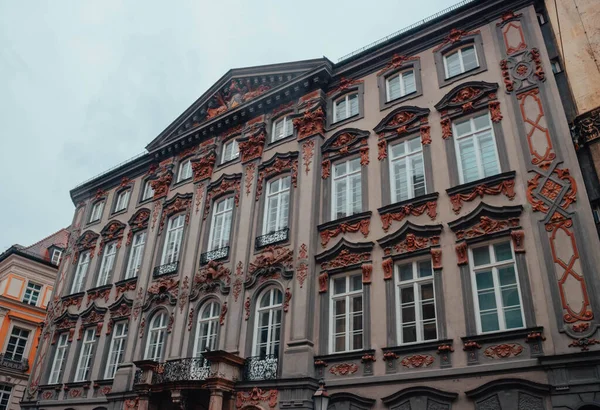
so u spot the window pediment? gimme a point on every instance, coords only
(121, 308)
(86, 242)
(212, 276)
(138, 222)
(345, 142)
(161, 179)
(402, 120)
(278, 164)
(160, 292)
(411, 237)
(273, 262)
(227, 183)
(179, 203)
(203, 163)
(486, 220)
(113, 231)
(343, 400)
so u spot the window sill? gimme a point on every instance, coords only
(345, 220)
(417, 347)
(124, 282)
(328, 230)
(145, 201)
(451, 80)
(73, 296)
(487, 182)
(98, 289)
(181, 183)
(92, 223)
(341, 357)
(281, 141)
(228, 163)
(503, 335)
(399, 100)
(115, 213)
(471, 190)
(339, 123)
(416, 201)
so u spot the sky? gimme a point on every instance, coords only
(85, 85)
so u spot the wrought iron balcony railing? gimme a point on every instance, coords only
(8, 363)
(261, 367)
(189, 369)
(272, 238)
(215, 254)
(166, 269)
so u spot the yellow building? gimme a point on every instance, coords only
(27, 276)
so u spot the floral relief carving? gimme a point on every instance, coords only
(308, 149)
(272, 256)
(139, 221)
(487, 226)
(155, 213)
(161, 184)
(286, 299)
(364, 156)
(302, 273)
(381, 148)
(211, 276)
(518, 239)
(199, 196)
(425, 134)
(344, 84)
(454, 36)
(237, 289)
(86, 242)
(446, 128)
(388, 268)
(503, 350)
(190, 322)
(323, 281)
(429, 207)
(223, 313)
(550, 189)
(346, 258)
(397, 61)
(252, 146)
(162, 291)
(461, 253)
(362, 226)
(325, 169)
(255, 397)
(111, 232)
(412, 243)
(506, 187)
(225, 184)
(280, 163)
(312, 122)
(202, 168)
(180, 203)
(92, 295)
(247, 308)
(124, 287)
(367, 272)
(417, 361)
(436, 258)
(343, 369)
(303, 252)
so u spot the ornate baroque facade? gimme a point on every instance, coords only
(409, 225)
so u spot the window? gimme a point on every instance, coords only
(277, 205)
(108, 261)
(185, 171)
(122, 200)
(85, 356)
(221, 224)
(59, 358)
(148, 191)
(282, 128)
(460, 61)
(56, 256)
(496, 289)
(347, 189)
(173, 241)
(32, 293)
(17, 342)
(476, 151)
(415, 299)
(541, 19)
(206, 331)
(346, 307)
(407, 170)
(156, 337)
(267, 329)
(80, 272)
(399, 85)
(556, 67)
(96, 213)
(4, 396)
(345, 107)
(230, 151)
(117, 349)
(135, 256)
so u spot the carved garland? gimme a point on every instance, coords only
(417, 361)
(180, 203)
(202, 167)
(402, 121)
(138, 222)
(252, 145)
(506, 187)
(225, 184)
(343, 143)
(429, 207)
(362, 226)
(278, 164)
(312, 122)
(111, 232)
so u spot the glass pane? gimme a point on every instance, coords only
(339, 285)
(453, 64)
(510, 297)
(357, 322)
(340, 343)
(407, 295)
(356, 283)
(469, 58)
(357, 304)
(427, 291)
(429, 331)
(513, 318)
(503, 251)
(481, 256)
(482, 121)
(357, 341)
(468, 160)
(462, 127)
(425, 269)
(487, 300)
(414, 144)
(353, 101)
(340, 307)
(406, 272)
(356, 194)
(428, 311)
(409, 334)
(400, 180)
(340, 325)
(277, 297)
(408, 314)
(409, 82)
(393, 88)
(489, 322)
(487, 148)
(340, 109)
(398, 149)
(418, 175)
(339, 169)
(507, 275)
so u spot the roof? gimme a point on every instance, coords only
(39, 251)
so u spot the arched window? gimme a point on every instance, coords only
(267, 328)
(157, 334)
(206, 330)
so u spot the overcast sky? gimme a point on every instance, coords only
(85, 85)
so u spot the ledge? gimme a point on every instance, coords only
(503, 336)
(419, 200)
(73, 296)
(85, 384)
(99, 288)
(340, 357)
(345, 220)
(469, 186)
(495, 185)
(126, 281)
(417, 347)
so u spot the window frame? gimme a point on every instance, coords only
(163, 254)
(163, 329)
(213, 216)
(100, 204)
(474, 39)
(63, 349)
(265, 214)
(37, 300)
(287, 119)
(5, 388)
(333, 203)
(332, 122)
(271, 308)
(213, 324)
(146, 185)
(225, 160)
(60, 254)
(25, 354)
(133, 246)
(184, 165)
(86, 355)
(406, 156)
(105, 255)
(348, 296)
(400, 76)
(459, 51)
(81, 287)
(118, 195)
(345, 98)
(122, 340)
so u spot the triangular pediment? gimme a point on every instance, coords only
(235, 90)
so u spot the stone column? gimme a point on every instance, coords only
(216, 399)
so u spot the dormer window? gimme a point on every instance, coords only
(400, 84)
(122, 200)
(345, 107)
(282, 128)
(230, 151)
(96, 213)
(460, 61)
(56, 256)
(185, 171)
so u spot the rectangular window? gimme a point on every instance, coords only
(148, 191)
(230, 151)
(59, 359)
(460, 61)
(108, 262)
(407, 170)
(96, 213)
(4, 396)
(85, 356)
(476, 152)
(221, 224)
(81, 272)
(415, 298)
(122, 200)
(345, 107)
(185, 171)
(277, 205)
(56, 257)
(496, 289)
(15, 350)
(32, 293)
(282, 128)
(136, 255)
(117, 349)
(347, 189)
(346, 306)
(400, 84)
(173, 240)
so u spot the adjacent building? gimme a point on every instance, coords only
(27, 276)
(409, 225)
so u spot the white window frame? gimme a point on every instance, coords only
(148, 191)
(28, 299)
(84, 364)
(96, 212)
(18, 338)
(174, 238)
(493, 265)
(107, 265)
(122, 200)
(460, 59)
(346, 98)
(5, 394)
(185, 170)
(136, 255)
(60, 355)
(403, 92)
(212, 324)
(474, 136)
(406, 157)
(218, 240)
(287, 128)
(349, 331)
(83, 265)
(347, 177)
(272, 345)
(116, 351)
(279, 195)
(157, 337)
(56, 259)
(235, 151)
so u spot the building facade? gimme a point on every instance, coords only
(409, 225)
(27, 276)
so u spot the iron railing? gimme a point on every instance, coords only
(214, 255)
(261, 367)
(166, 269)
(189, 369)
(8, 363)
(272, 238)
(137, 378)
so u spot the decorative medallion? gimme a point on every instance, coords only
(343, 369)
(397, 61)
(255, 397)
(503, 351)
(417, 361)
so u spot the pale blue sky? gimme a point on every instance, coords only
(85, 85)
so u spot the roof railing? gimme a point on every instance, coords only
(127, 161)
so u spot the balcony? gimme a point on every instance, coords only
(18, 365)
(189, 369)
(271, 238)
(214, 255)
(261, 367)
(166, 269)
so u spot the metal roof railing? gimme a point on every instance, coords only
(127, 161)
